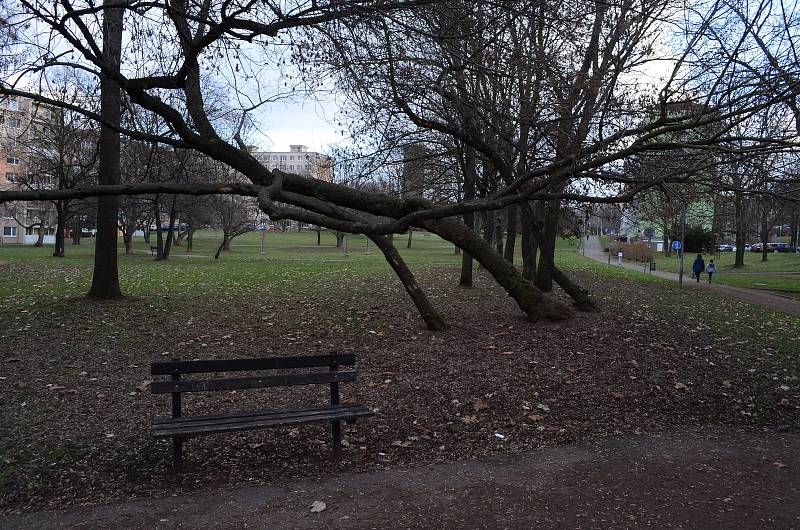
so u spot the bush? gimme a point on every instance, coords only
(636, 251)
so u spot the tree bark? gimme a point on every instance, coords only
(532, 301)
(61, 228)
(105, 280)
(529, 243)
(547, 246)
(77, 229)
(40, 237)
(432, 318)
(189, 239)
(470, 176)
(511, 233)
(171, 229)
(738, 262)
(159, 233)
(410, 235)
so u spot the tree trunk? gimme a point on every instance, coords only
(530, 299)
(795, 221)
(579, 295)
(171, 229)
(40, 237)
(105, 280)
(319, 236)
(511, 233)
(61, 228)
(127, 238)
(547, 246)
(738, 262)
(221, 246)
(529, 243)
(470, 176)
(410, 235)
(77, 229)
(339, 239)
(159, 233)
(498, 235)
(764, 240)
(432, 319)
(189, 239)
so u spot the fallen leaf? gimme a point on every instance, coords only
(543, 407)
(536, 417)
(779, 464)
(479, 404)
(727, 384)
(318, 506)
(680, 386)
(469, 419)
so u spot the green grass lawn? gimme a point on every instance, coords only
(783, 262)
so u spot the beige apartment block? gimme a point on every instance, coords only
(298, 160)
(20, 120)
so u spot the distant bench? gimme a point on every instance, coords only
(179, 427)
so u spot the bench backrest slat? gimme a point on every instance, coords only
(242, 365)
(203, 385)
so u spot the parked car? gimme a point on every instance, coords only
(755, 247)
(725, 248)
(778, 247)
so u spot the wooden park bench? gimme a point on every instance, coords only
(153, 250)
(179, 427)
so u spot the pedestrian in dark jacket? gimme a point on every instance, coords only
(711, 270)
(698, 267)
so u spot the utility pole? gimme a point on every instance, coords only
(683, 247)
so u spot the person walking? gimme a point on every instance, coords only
(619, 257)
(711, 269)
(698, 267)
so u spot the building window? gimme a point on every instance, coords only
(13, 104)
(275, 158)
(283, 157)
(12, 160)
(12, 177)
(15, 123)
(291, 157)
(10, 231)
(7, 214)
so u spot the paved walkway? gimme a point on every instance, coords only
(710, 478)
(755, 296)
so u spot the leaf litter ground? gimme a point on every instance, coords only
(76, 408)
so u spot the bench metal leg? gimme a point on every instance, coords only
(177, 452)
(336, 429)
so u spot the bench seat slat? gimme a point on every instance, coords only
(244, 365)
(246, 413)
(259, 421)
(204, 385)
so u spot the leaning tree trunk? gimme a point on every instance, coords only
(579, 295)
(170, 230)
(432, 318)
(529, 298)
(189, 238)
(410, 235)
(105, 280)
(222, 246)
(61, 228)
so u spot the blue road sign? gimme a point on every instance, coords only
(676, 245)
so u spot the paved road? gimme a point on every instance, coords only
(701, 478)
(755, 296)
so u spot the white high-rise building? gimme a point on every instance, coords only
(299, 160)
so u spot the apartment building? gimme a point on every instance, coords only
(20, 121)
(299, 160)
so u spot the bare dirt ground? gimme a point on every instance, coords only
(76, 409)
(710, 478)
